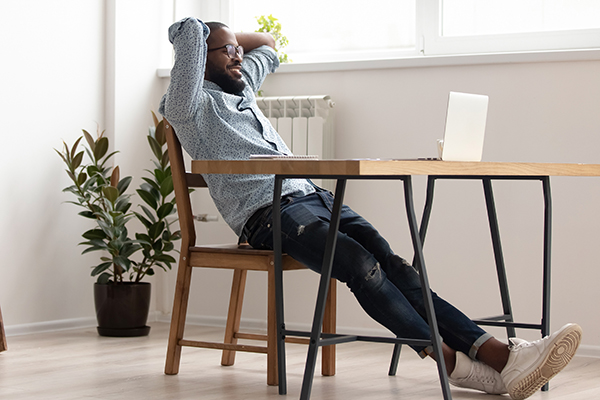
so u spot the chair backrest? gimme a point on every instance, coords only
(182, 181)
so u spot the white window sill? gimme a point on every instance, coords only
(434, 61)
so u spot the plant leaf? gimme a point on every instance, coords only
(143, 238)
(151, 216)
(114, 177)
(156, 229)
(154, 118)
(165, 159)
(101, 148)
(104, 278)
(101, 268)
(81, 178)
(150, 184)
(111, 193)
(77, 160)
(89, 139)
(124, 184)
(155, 147)
(165, 258)
(87, 214)
(160, 134)
(148, 198)
(94, 234)
(74, 148)
(144, 221)
(122, 262)
(166, 188)
(164, 210)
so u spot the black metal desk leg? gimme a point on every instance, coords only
(435, 337)
(281, 370)
(426, 213)
(547, 251)
(317, 324)
(499, 257)
(547, 263)
(422, 232)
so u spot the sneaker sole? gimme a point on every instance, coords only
(558, 356)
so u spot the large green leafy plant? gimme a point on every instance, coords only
(102, 194)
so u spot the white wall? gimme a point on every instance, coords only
(67, 65)
(52, 86)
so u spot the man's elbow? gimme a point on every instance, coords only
(270, 40)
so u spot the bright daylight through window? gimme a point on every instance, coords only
(477, 17)
(333, 30)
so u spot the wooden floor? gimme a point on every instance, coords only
(78, 364)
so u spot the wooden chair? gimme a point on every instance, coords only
(239, 258)
(3, 345)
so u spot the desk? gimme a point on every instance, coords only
(342, 170)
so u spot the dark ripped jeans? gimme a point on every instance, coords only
(385, 285)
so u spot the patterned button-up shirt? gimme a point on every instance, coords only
(214, 125)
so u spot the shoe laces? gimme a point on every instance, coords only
(516, 343)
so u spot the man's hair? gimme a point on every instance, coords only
(213, 26)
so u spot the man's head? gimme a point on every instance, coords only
(223, 64)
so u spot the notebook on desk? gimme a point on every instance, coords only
(464, 132)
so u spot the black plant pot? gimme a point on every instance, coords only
(122, 309)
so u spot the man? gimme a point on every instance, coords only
(210, 103)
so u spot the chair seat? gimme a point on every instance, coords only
(228, 256)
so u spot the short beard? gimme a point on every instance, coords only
(226, 82)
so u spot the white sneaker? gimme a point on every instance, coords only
(532, 364)
(476, 375)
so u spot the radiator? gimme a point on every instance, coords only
(305, 123)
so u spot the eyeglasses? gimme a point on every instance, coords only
(231, 50)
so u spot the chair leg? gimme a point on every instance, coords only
(180, 302)
(329, 326)
(3, 345)
(234, 315)
(272, 372)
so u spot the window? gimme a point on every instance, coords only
(487, 26)
(477, 17)
(333, 30)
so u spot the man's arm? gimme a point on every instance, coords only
(187, 75)
(252, 40)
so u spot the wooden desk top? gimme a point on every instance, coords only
(315, 168)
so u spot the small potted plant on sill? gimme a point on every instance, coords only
(122, 300)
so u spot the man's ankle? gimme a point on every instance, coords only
(494, 353)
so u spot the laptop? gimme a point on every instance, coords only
(465, 127)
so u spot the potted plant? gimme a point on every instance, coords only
(122, 300)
